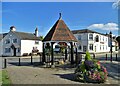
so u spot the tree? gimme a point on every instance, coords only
(118, 39)
(41, 38)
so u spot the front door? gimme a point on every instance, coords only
(14, 51)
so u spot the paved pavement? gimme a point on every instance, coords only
(38, 75)
(29, 74)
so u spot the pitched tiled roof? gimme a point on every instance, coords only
(21, 35)
(85, 31)
(26, 36)
(60, 32)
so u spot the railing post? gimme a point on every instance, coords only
(5, 63)
(19, 62)
(116, 57)
(106, 57)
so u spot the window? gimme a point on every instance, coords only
(100, 47)
(7, 50)
(97, 38)
(100, 38)
(106, 47)
(14, 40)
(103, 38)
(7, 41)
(106, 39)
(91, 36)
(79, 47)
(91, 46)
(103, 47)
(79, 37)
(18, 50)
(36, 42)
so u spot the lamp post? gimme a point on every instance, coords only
(110, 46)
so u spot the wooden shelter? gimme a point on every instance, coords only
(59, 33)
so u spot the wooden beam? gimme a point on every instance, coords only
(43, 56)
(72, 62)
(52, 55)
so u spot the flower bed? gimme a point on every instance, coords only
(91, 71)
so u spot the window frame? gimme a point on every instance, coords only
(90, 36)
(90, 46)
(7, 41)
(7, 50)
(37, 42)
(15, 41)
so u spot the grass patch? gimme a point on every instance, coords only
(5, 78)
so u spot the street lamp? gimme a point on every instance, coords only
(110, 45)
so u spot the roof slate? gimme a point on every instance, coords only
(60, 32)
(21, 35)
(3, 35)
(86, 31)
(26, 36)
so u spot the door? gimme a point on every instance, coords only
(14, 51)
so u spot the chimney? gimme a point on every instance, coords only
(36, 32)
(12, 28)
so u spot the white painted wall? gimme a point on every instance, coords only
(27, 46)
(83, 41)
(103, 42)
(10, 36)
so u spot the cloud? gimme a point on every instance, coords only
(108, 26)
(116, 4)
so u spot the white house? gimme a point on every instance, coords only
(92, 41)
(20, 43)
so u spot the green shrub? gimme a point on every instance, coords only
(87, 56)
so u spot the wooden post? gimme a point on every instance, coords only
(43, 55)
(66, 54)
(116, 57)
(52, 54)
(31, 60)
(5, 63)
(19, 62)
(106, 57)
(72, 53)
(76, 56)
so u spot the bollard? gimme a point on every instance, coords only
(19, 62)
(111, 57)
(5, 63)
(93, 55)
(31, 60)
(116, 57)
(106, 57)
